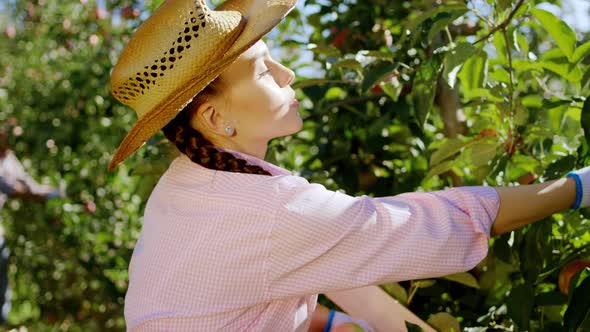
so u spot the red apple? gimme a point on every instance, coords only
(100, 13)
(51, 317)
(10, 31)
(129, 12)
(487, 132)
(568, 271)
(340, 37)
(367, 179)
(90, 207)
(377, 89)
(527, 178)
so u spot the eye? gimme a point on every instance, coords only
(266, 72)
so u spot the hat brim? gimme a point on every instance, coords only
(256, 26)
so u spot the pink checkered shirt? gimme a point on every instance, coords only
(223, 251)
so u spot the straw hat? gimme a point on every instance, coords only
(181, 48)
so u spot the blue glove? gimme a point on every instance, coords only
(582, 178)
(336, 318)
(57, 193)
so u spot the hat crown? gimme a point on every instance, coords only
(180, 37)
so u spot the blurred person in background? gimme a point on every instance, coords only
(15, 183)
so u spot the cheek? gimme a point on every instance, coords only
(266, 101)
(255, 97)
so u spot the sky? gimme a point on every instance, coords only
(576, 13)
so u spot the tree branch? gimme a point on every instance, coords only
(503, 24)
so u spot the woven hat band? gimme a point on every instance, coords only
(176, 59)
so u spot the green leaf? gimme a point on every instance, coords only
(563, 35)
(500, 44)
(376, 73)
(502, 249)
(550, 298)
(532, 101)
(585, 79)
(347, 63)
(335, 93)
(441, 168)
(581, 52)
(473, 73)
(525, 65)
(424, 89)
(446, 150)
(325, 50)
(392, 89)
(464, 278)
(531, 250)
(444, 322)
(499, 75)
(154, 168)
(423, 283)
(585, 325)
(504, 4)
(520, 43)
(388, 56)
(555, 102)
(397, 291)
(578, 307)
(483, 153)
(484, 94)
(413, 327)
(576, 280)
(442, 22)
(520, 305)
(454, 60)
(559, 167)
(415, 22)
(563, 68)
(585, 119)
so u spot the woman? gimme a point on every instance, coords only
(231, 242)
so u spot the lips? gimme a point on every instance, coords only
(294, 104)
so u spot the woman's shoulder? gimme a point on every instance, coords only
(185, 181)
(185, 173)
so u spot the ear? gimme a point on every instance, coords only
(208, 118)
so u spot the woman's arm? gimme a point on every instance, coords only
(522, 205)
(376, 307)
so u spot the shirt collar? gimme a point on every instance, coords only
(274, 170)
(271, 168)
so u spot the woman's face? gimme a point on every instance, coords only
(257, 99)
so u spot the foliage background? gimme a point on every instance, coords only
(397, 96)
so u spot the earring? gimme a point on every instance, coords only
(229, 130)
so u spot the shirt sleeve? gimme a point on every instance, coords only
(324, 241)
(6, 187)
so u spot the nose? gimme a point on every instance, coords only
(286, 76)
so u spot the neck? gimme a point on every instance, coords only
(256, 149)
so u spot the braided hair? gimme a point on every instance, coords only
(200, 150)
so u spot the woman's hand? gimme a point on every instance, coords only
(320, 318)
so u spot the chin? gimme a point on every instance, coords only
(297, 125)
(294, 127)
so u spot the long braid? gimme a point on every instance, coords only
(199, 149)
